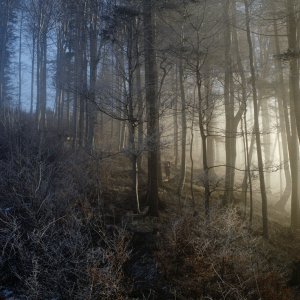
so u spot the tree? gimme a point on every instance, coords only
(7, 19)
(183, 130)
(232, 119)
(293, 56)
(152, 105)
(289, 143)
(256, 126)
(42, 15)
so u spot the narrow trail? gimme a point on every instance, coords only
(148, 282)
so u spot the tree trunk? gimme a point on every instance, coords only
(152, 106)
(247, 176)
(191, 154)
(203, 133)
(131, 118)
(175, 117)
(93, 78)
(32, 74)
(256, 124)
(294, 102)
(284, 125)
(183, 134)
(38, 83)
(59, 80)
(20, 64)
(82, 80)
(42, 82)
(140, 107)
(4, 19)
(232, 120)
(294, 60)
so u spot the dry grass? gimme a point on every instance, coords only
(54, 243)
(219, 260)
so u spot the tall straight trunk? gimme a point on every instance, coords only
(191, 153)
(20, 63)
(112, 120)
(294, 99)
(38, 83)
(82, 81)
(75, 117)
(266, 138)
(247, 176)
(263, 60)
(93, 78)
(192, 164)
(211, 152)
(77, 84)
(229, 110)
(131, 118)
(119, 88)
(152, 105)
(287, 143)
(175, 118)
(209, 118)
(294, 162)
(140, 107)
(183, 131)
(203, 133)
(294, 60)
(61, 108)
(59, 68)
(280, 158)
(68, 110)
(284, 197)
(83, 94)
(232, 119)
(3, 50)
(256, 124)
(248, 170)
(158, 133)
(32, 73)
(122, 87)
(42, 82)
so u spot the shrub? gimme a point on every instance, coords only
(55, 243)
(219, 259)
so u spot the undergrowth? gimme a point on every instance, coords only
(219, 259)
(54, 242)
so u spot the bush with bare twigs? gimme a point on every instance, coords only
(53, 245)
(64, 258)
(219, 259)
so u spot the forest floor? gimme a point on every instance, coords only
(161, 265)
(88, 242)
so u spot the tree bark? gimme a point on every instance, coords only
(32, 73)
(232, 119)
(256, 124)
(294, 102)
(4, 19)
(183, 132)
(92, 114)
(20, 64)
(175, 118)
(284, 125)
(152, 105)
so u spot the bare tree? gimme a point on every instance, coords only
(256, 124)
(152, 105)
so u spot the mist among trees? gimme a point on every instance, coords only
(149, 149)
